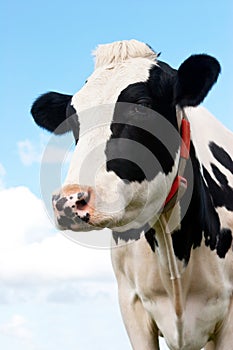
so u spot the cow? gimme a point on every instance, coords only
(161, 178)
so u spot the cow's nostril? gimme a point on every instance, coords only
(80, 204)
(83, 199)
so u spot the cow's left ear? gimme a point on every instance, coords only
(49, 112)
(195, 78)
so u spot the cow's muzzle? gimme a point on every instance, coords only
(73, 206)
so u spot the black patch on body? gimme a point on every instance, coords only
(133, 234)
(224, 242)
(194, 221)
(151, 239)
(201, 219)
(222, 195)
(222, 156)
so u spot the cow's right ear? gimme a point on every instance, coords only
(49, 112)
(195, 77)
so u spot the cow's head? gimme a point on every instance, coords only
(124, 121)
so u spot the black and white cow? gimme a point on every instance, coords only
(131, 125)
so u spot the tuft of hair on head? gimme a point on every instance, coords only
(120, 51)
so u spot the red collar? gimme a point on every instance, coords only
(180, 184)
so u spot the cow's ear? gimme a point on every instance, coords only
(49, 112)
(195, 78)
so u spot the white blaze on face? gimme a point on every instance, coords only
(94, 105)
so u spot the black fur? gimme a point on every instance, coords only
(151, 239)
(200, 218)
(222, 156)
(222, 195)
(73, 121)
(133, 234)
(49, 112)
(157, 95)
(195, 78)
(224, 242)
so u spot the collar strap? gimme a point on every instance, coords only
(180, 184)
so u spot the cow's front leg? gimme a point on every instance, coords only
(224, 336)
(142, 330)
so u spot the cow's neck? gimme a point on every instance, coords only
(182, 229)
(199, 220)
(174, 257)
(171, 270)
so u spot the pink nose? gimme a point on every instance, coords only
(73, 205)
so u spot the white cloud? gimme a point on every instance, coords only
(2, 175)
(16, 327)
(33, 253)
(53, 149)
(28, 152)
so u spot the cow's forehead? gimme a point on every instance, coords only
(106, 83)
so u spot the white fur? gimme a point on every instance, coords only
(120, 51)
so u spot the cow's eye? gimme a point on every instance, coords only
(144, 103)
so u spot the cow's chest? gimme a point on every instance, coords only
(205, 292)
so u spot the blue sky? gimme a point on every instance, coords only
(47, 46)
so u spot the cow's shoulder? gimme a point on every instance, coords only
(213, 144)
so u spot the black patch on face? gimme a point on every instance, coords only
(65, 221)
(155, 94)
(222, 156)
(60, 203)
(125, 169)
(55, 197)
(86, 218)
(222, 195)
(68, 212)
(77, 220)
(71, 219)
